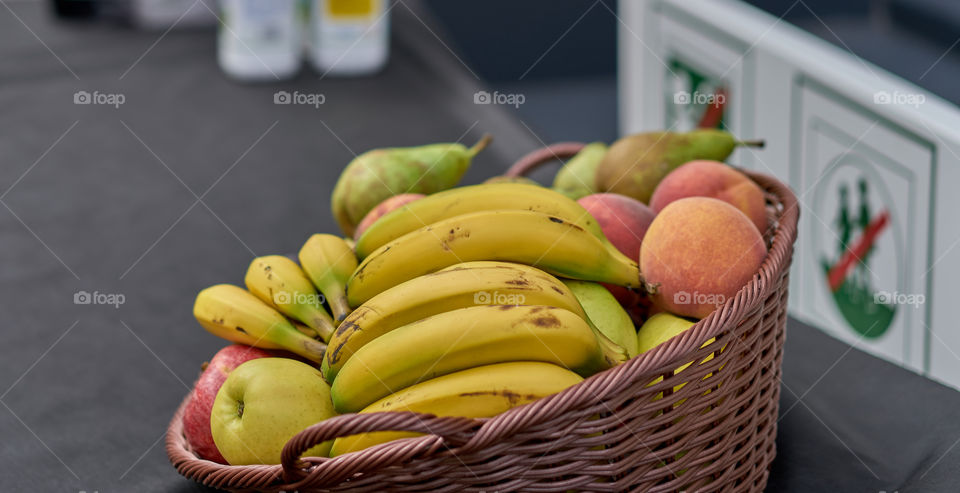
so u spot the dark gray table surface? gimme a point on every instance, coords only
(192, 175)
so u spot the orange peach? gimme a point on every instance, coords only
(698, 252)
(383, 208)
(713, 179)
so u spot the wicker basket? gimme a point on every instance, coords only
(628, 428)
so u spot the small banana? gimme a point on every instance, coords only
(550, 243)
(480, 392)
(329, 261)
(467, 338)
(234, 314)
(279, 282)
(458, 286)
(475, 198)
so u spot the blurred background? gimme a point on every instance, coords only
(152, 147)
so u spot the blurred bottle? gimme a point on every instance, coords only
(163, 14)
(349, 37)
(260, 39)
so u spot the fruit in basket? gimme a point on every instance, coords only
(234, 314)
(553, 244)
(196, 414)
(279, 282)
(471, 199)
(660, 328)
(698, 253)
(623, 220)
(265, 402)
(605, 313)
(471, 337)
(481, 392)
(383, 208)
(577, 178)
(459, 286)
(636, 163)
(713, 179)
(376, 175)
(328, 261)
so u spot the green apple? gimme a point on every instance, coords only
(263, 403)
(659, 329)
(606, 314)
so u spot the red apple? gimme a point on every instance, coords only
(624, 222)
(196, 416)
(384, 207)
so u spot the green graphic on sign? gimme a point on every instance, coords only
(694, 99)
(848, 273)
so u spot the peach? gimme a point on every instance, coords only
(698, 252)
(713, 179)
(383, 208)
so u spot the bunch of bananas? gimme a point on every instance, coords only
(449, 305)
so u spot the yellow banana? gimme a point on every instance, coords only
(328, 261)
(547, 242)
(475, 198)
(467, 338)
(234, 314)
(279, 282)
(480, 392)
(458, 286)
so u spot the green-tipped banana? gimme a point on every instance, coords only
(467, 338)
(481, 392)
(577, 178)
(329, 261)
(458, 286)
(606, 314)
(234, 314)
(550, 243)
(464, 200)
(279, 282)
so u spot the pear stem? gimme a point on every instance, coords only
(751, 143)
(481, 144)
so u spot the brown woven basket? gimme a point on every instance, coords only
(628, 428)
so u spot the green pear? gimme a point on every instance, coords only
(660, 328)
(377, 175)
(265, 402)
(635, 164)
(577, 178)
(606, 314)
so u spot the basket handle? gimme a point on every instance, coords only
(543, 155)
(447, 432)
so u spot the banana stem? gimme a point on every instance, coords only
(323, 324)
(307, 331)
(481, 144)
(751, 143)
(339, 307)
